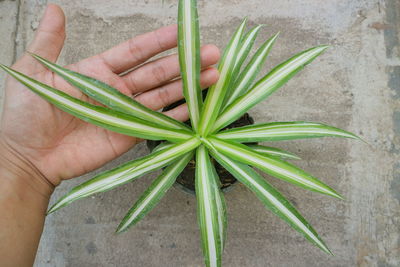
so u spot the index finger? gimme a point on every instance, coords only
(139, 49)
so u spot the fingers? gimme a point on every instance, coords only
(161, 71)
(179, 113)
(172, 92)
(139, 49)
(48, 41)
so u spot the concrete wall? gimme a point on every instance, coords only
(355, 86)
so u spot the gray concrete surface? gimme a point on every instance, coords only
(355, 85)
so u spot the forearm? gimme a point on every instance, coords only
(24, 196)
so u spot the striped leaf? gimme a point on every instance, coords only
(126, 173)
(162, 146)
(273, 151)
(278, 131)
(100, 116)
(189, 57)
(246, 44)
(221, 210)
(111, 97)
(271, 198)
(210, 209)
(249, 74)
(153, 194)
(266, 86)
(272, 166)
(216, 93)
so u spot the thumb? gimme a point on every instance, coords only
(48, 41)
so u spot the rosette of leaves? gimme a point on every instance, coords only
(234, 94)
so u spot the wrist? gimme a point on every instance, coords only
(24, 197)
(20, 175)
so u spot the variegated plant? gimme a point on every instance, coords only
(232, 96)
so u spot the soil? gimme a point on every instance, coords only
(186, 179)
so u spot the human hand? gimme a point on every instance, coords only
(41, 145)
(58, 146)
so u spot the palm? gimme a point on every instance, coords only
(62, 146)
(50, 137)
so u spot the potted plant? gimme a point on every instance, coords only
(232, 96)
(185, 181)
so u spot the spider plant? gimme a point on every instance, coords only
(234, 94)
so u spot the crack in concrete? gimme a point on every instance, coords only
(14, 58)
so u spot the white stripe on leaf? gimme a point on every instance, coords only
(100, 116)
(277, 131)
(210, 212)
(153, 194)
(273, 151)
(266, 86)
(189, 57)
(271, 198)
(273, 166)
(216, 93)
(111, 97)
(126, 173)
(249, 74)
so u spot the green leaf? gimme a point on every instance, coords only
(273, 151)
(162, 146)
(266, 86)
(249, 74)
(100, 116)
(210, 208)
(278, 131)
(189, 57)
(126, 173)
(271, 198)
(111, 97)
(272, 166)
(221, 210)
(246, 44)
(153, 194)
(216, 93)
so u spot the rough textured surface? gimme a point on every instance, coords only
(8, 29)
(355, 85)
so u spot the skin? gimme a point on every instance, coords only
(40, 146)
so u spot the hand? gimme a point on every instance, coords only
(41, 145)
(59, 146)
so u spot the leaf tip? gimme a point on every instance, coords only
(259, 26)
(354, 136)
(322, 246)
(58, 205)
(276, 35)
(330, 192)
(120, 229)
(325, 249)
(322, 48)
(244, 22)
(33, 55)
(318, 50)
(295, 157)
(51, 210)
(38, 58)
(337, 195)
(123, 226)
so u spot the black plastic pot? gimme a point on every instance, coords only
(185, 180)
